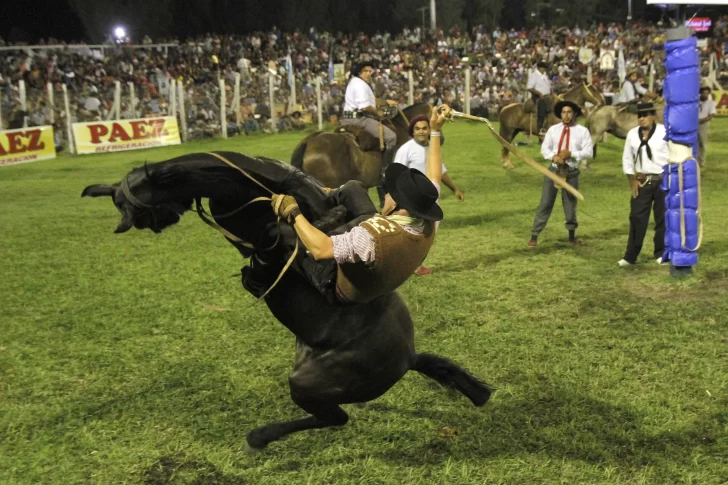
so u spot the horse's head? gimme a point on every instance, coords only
(140, 204)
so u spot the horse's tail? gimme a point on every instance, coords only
(451, 375)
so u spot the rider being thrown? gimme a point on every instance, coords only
(376, 256)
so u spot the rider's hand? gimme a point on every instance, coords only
(557, 159)
(459, 195)
(565, 154)
(439, 116)
(283, 206)
(634, 186)
(389, 205)
(391, 102)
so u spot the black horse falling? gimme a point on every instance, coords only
(344, 354)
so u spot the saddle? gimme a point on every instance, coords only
(365, 140)
(529, 106)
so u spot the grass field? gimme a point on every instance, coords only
(138, 358)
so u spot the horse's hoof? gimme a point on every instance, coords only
(507, 165)
(250, 450)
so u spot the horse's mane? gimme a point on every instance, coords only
(278, 177)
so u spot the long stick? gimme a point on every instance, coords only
(521, 155)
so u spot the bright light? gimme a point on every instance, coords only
(119, 32)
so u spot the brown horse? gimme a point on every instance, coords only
(514, 120)
(617, 120)
(335, 158)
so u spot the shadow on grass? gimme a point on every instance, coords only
(557, 422)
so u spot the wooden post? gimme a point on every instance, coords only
(117, 100)
(182, 114)
(410, 89)
(318, 104)
(272, 101)
(223, 110)
(236, 98)
(132, 95)
(69, 129)
(51, 102)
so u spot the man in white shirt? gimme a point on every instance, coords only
(707, 111)
(359, 101)
(413, 154)
(565, 144)
(645, 155)
(539, 85)
(631, 88)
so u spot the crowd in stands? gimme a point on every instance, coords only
(499, 60)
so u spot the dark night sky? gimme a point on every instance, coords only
(30, 20)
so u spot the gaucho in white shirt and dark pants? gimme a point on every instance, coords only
(565, 144)
(645, 155)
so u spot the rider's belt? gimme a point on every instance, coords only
(350, 115)
(648, 177)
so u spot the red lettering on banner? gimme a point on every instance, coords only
(138, 130)
(97, 131)
(117, 131)
(17, 144)
(723, 102)
(35, 143)
(159, 127)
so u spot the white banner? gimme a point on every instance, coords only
(607, 58)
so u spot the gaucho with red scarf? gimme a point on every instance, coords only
(565, 144)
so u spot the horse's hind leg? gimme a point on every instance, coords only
(324, 415)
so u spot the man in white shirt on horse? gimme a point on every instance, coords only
(360, 110)
(539, 85)
(631, 89)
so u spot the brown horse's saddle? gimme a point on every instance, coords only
(529, 106)
(366, 141)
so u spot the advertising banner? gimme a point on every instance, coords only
(721, 102)
(26, 145)
(113, 136)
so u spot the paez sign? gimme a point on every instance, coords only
(112, 136)
(26, 145)
(721, 102)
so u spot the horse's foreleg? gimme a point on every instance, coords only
(505, 159)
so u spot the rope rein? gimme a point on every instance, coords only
(201, 212)
(698, 212)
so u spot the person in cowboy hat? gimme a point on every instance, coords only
(539, 85)
(377, 255)
(707, 111)
(631, 88)
(413, 154)
(360, 110)
(643, 160)
(566, 144)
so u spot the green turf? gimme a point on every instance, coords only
(138, 358)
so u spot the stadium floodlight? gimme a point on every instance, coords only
(120, 33)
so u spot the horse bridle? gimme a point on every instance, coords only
(131, 198)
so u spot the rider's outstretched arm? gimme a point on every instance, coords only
(434, 154)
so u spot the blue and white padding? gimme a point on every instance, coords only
(681, 176)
